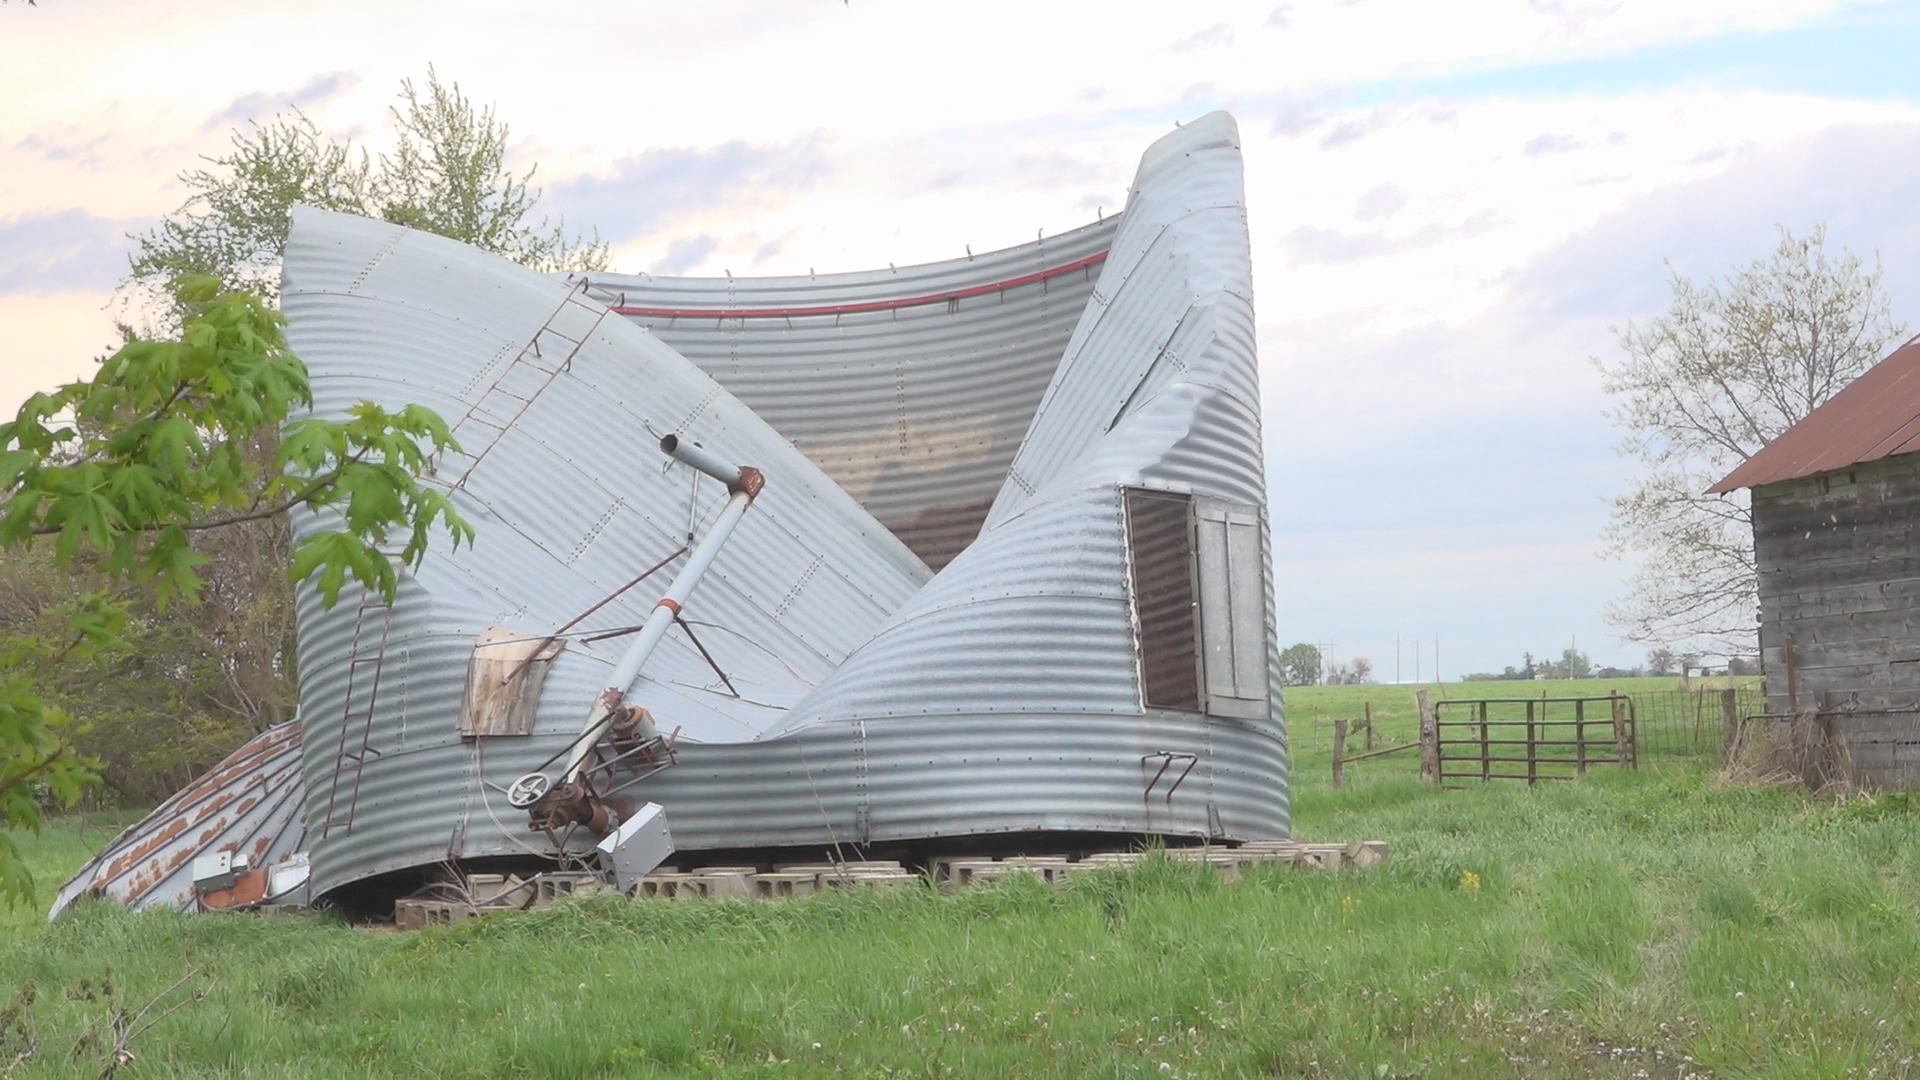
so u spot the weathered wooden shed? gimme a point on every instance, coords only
(1835, 502)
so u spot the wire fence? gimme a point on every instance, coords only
(1692, 723)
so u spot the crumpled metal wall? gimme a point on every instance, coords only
(1000, 696)
(559, 408)
(1159, 388)
(911, 386)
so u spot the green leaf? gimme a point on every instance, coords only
(196, 288)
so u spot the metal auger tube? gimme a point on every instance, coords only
(738, 478)
(745, 482)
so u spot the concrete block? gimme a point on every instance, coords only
(780, 884)
(963, 873)
(552, 887)
(497, 890)
(876, 879)
(669, 886)
(726, 882)
(414, 914)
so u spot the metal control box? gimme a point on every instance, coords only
(641, 843)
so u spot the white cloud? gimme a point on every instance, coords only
(1427, 270)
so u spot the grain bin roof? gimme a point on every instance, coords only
(1876, 416)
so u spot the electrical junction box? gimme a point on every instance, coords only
(641, 843)
(218, 870)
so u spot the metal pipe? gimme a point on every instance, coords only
(657, 624)
(738, 478)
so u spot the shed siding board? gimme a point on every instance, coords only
(1839, 574)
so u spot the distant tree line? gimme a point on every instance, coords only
(1574, 664)
(1302, 665)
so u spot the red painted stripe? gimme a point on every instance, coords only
(869, 305)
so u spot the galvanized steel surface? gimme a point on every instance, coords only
(560, 410)
(1876, 416)
(877, 701)
(249, 803)
(1157, 388)
(911, 386)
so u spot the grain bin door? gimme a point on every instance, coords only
(1232, 607)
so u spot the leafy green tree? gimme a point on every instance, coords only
(116, 471)
(1300, 665)
(188, 683)
(445, 174)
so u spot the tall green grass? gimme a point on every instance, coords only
(1645, 923)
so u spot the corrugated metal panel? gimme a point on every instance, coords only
(913, 402)
(1034, 616)
(1001, 695)
(249, 803)
(560, 416)
(1876, 416)
(949, 776)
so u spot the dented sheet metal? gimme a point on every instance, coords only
(855, 677)
(248, 804)
(911, 386)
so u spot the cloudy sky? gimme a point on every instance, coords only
(1451, 205)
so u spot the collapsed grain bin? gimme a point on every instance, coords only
(1002, 571)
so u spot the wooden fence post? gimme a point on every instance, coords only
(1429, 739)
(1368, 707)
(1729, 725)
(1339, 751)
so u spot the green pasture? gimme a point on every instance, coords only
(1312, 710)
(1633, 924)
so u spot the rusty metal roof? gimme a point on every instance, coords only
(1876, 416)
(249, 803)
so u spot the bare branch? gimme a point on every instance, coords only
(1728, 368)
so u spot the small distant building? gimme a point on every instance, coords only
(1836, 499)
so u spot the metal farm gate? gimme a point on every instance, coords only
(1529, 739)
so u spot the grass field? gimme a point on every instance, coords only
(1632, 924)
(1311, 711)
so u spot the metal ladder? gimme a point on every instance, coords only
(356, 725)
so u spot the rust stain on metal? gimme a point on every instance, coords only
(213, 806)
(225, 809)
(248, 888)
(1876, 416)
(145, 848)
